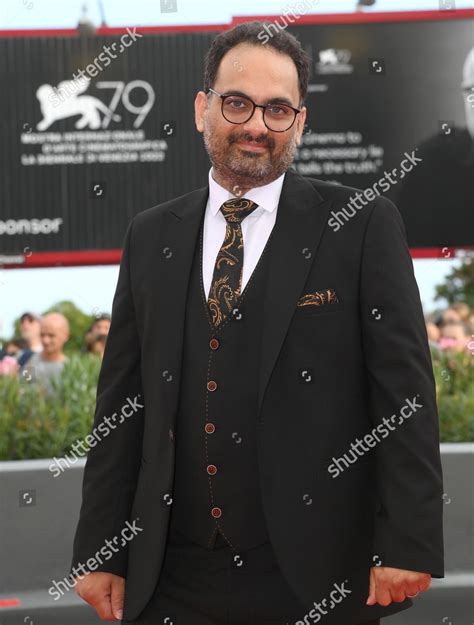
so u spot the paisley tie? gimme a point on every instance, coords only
(227, 276)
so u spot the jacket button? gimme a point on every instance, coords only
(214, 343)
(211, 469)
(211, 385)
(216, 512)
(210, 428)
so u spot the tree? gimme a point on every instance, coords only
(459, 285)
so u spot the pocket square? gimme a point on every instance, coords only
(324, 297)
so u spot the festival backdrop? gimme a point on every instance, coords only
(389, 100)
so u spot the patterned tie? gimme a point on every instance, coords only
(227, 276)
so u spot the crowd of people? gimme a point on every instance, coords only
(452, 329)
(38, 356)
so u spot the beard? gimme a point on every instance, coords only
(242, 168)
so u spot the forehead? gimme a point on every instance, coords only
(49, 326)
(261, 72)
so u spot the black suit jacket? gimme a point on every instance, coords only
(344, 347)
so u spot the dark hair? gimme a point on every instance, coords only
(19, 342)
(256, 33)
(102, 317)
(30, 316)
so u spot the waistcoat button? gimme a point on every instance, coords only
(210, 428)
(216, 512)
(211, 469)
(211, 385)
(214, 343)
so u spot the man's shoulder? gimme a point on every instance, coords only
(348, 201)
(333, 191)
(155, 213)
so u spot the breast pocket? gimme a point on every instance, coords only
(319, 302)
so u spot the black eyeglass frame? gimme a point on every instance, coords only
(223, 96)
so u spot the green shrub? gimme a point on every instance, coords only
(36, 425)
(454, 375)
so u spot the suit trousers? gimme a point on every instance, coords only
(199, 586)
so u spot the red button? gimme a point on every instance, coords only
(211, 469)
(211, 385)
(214, 343)
(210, 428)
(216, 512)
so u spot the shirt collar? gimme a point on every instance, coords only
(266, 196)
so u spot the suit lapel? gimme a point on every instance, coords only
(180, 234)
(301, 218)
(302, 215)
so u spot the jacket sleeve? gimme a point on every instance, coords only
(402, 400)
(113, 463)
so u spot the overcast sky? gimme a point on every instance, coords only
(65, 13)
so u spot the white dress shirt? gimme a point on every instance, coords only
(256, 227)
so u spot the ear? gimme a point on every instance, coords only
(200, 107)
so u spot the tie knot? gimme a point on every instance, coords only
(236, 209)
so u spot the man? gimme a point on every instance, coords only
(262, 344)
(30, 330)
(101, 324)
(48, 364)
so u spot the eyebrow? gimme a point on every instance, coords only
(280, 100)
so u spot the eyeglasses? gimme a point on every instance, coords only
(238, 109)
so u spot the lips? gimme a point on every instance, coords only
(255, 147)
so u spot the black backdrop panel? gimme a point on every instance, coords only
(78, 160)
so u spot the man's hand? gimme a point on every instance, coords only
(387, 584)
(104, 592)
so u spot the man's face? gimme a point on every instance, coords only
(250, 152)
(29, 329)
(101, 326)
(53, 336)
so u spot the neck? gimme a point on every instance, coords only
(239, 185)
(54, 357)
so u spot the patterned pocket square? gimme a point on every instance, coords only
(319, 299)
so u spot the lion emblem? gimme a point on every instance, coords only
(65, 101)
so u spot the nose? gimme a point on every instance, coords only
(256, 123)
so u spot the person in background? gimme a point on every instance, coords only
(95, 343)
(30, 330)
(433, 332)
(9, 356)
(101, 324)
(463, 310)
(450, 315)
(94, 340)
(18, 349)
(454, 337)
(43, 366)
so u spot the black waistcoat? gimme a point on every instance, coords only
(216, 487)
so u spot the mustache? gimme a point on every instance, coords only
(264, 141)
